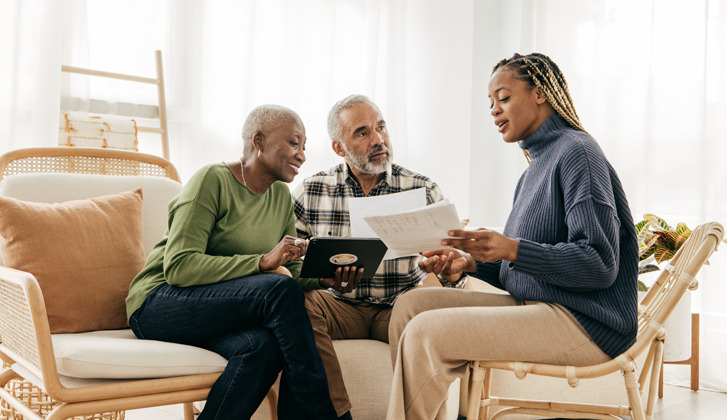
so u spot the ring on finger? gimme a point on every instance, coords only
(297, 242)
(344, 284)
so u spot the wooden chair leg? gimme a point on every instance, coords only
(476, 385)
(695, 353)
(661, 380)
(693, 360)
(656, 367)
(486, 388)
(189, 411)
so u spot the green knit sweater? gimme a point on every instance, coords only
(217, 230)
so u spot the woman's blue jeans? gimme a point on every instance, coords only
(259, 324)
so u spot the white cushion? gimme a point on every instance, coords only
(119, 354)
(56, 188)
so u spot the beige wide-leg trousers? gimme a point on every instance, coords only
(334, 319)
(435, 332)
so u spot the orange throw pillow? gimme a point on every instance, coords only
(84, 254)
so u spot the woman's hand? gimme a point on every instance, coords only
(448, 263)
(288, 249)
(483, 245)
(346, 279)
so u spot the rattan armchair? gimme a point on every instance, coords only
(27, 348)
(27, 342)
(654, 310)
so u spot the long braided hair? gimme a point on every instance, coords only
(538, 70)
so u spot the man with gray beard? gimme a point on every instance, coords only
(350, 308)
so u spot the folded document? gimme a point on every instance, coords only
(417, 230)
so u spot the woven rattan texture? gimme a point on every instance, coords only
(40, 403)
(680, 263)
(85, 165)
(16, 325)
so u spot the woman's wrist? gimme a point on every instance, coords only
(263, 265)
(471, 264)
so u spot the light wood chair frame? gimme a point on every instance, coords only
(26, 342)
(157, 81)
(26, 345)
(654, 309)
(86, 160)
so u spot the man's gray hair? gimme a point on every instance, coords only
(335, 130)
(265, 118)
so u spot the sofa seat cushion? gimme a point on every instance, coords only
(119, 354)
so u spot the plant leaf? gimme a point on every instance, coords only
(647, 251)
(657, 222)
(646, 247)
(671, 240)
(663, 254)
(642, 230)
(648, 268)
(683, 230)
(642, 227)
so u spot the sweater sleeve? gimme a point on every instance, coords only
(186, 262)
(587, 261)
(489, 272)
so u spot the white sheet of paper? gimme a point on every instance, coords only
(416, 230)
(360, 207)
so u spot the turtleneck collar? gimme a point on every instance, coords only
(542, 137)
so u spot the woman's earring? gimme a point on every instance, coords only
(259, 152)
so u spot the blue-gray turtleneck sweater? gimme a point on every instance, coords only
(577, 241)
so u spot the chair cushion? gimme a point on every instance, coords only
(119, 354)
(84, 254)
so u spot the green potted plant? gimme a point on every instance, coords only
(658, 242)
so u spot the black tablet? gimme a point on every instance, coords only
(326, 254)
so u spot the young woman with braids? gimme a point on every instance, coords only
(568, 257)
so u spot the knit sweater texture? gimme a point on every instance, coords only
(577, 241)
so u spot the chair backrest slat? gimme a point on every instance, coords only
(676, 279)
(86, 160)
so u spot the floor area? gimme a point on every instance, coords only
(678, 404)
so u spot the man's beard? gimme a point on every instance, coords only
(364, 164)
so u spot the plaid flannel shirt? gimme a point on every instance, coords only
(321, 209)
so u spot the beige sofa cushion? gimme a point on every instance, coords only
(119, 354)
(84, 254)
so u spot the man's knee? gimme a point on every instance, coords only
(314, 303)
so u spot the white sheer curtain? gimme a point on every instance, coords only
(30, 56)
(654, 97)
(223, 58)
